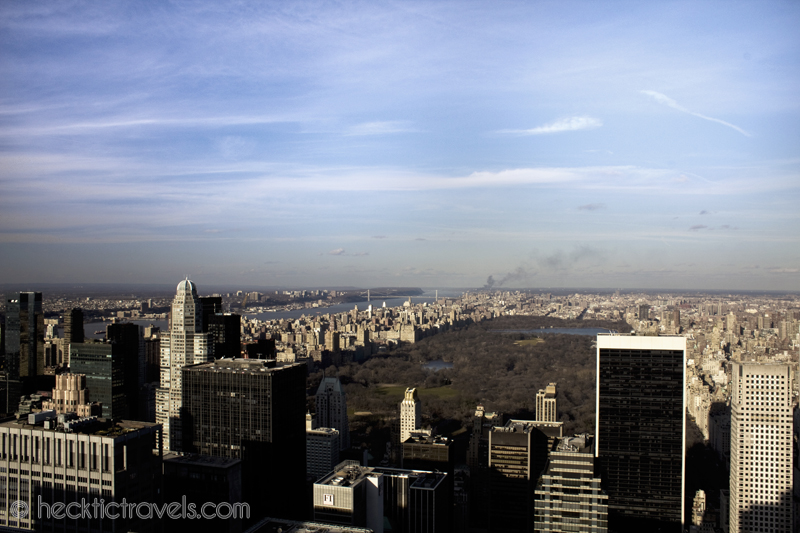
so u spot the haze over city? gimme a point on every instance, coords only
(568, 144)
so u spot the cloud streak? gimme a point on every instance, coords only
(669, 102)
(561, 125)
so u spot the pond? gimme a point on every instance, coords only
(437, 365)
(568, 331)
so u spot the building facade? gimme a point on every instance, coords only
(253, 410)
(24, 345)
(331, 405)
(322, 451)
(761, 448)
(641, 430)
(184, 344)
(410, 414)
(568, 495)
(546, 404)
(46, 459)
(70, 395)
(103, 366)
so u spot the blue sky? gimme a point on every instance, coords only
(564, 144)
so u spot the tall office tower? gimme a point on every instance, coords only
(761, 448)
(641, 430)
(409, 414)
(252, 410)
(184, 344)
(226, 334)
(322, 451)
(332, 409)
(24, 344)
(209, 305)
(546, 404)
(130, 346)
(517, 455)
(478, 462)
(73, 326)
(568, 496)
(427, 452)
(104, 367)
(49, 460)
(730, 322)
(644, 312)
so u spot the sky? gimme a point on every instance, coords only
(429, 144)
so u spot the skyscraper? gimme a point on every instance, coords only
(568, 495)
(129, 344)
(73, 327)
(104, 368)
(546, 404)
(332, 409)
(761, 448)
(184, 344)
(641, 430)
(252, 410)
(25, 336)
(409, 414)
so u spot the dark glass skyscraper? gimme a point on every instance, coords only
(256, 411)
(73, 327)
(103, 365)
(24, 344)
(641, 430)
(129, 344)
(25, 334)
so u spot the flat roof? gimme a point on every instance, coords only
(200, 460)
(104, 427)
(640, 342)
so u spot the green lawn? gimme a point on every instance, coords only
(528, 342)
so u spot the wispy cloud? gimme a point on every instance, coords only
(698, 227)
(704, 212)
(669, 102)
(564, 124)
(337, 251)
(591, 207)
(380, 128)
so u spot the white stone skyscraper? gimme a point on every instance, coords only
(409, 414)
(332, 409)
(184, 344)
(761, 448)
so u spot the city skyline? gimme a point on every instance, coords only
(412, 144)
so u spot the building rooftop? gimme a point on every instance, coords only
(241, 365)
(278, 525)
(69, 423)
(200, 460)
(346, 474)
(576, 444)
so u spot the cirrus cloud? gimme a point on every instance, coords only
(564, 124)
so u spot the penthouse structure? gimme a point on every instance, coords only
(70, 395)
(63, 459)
